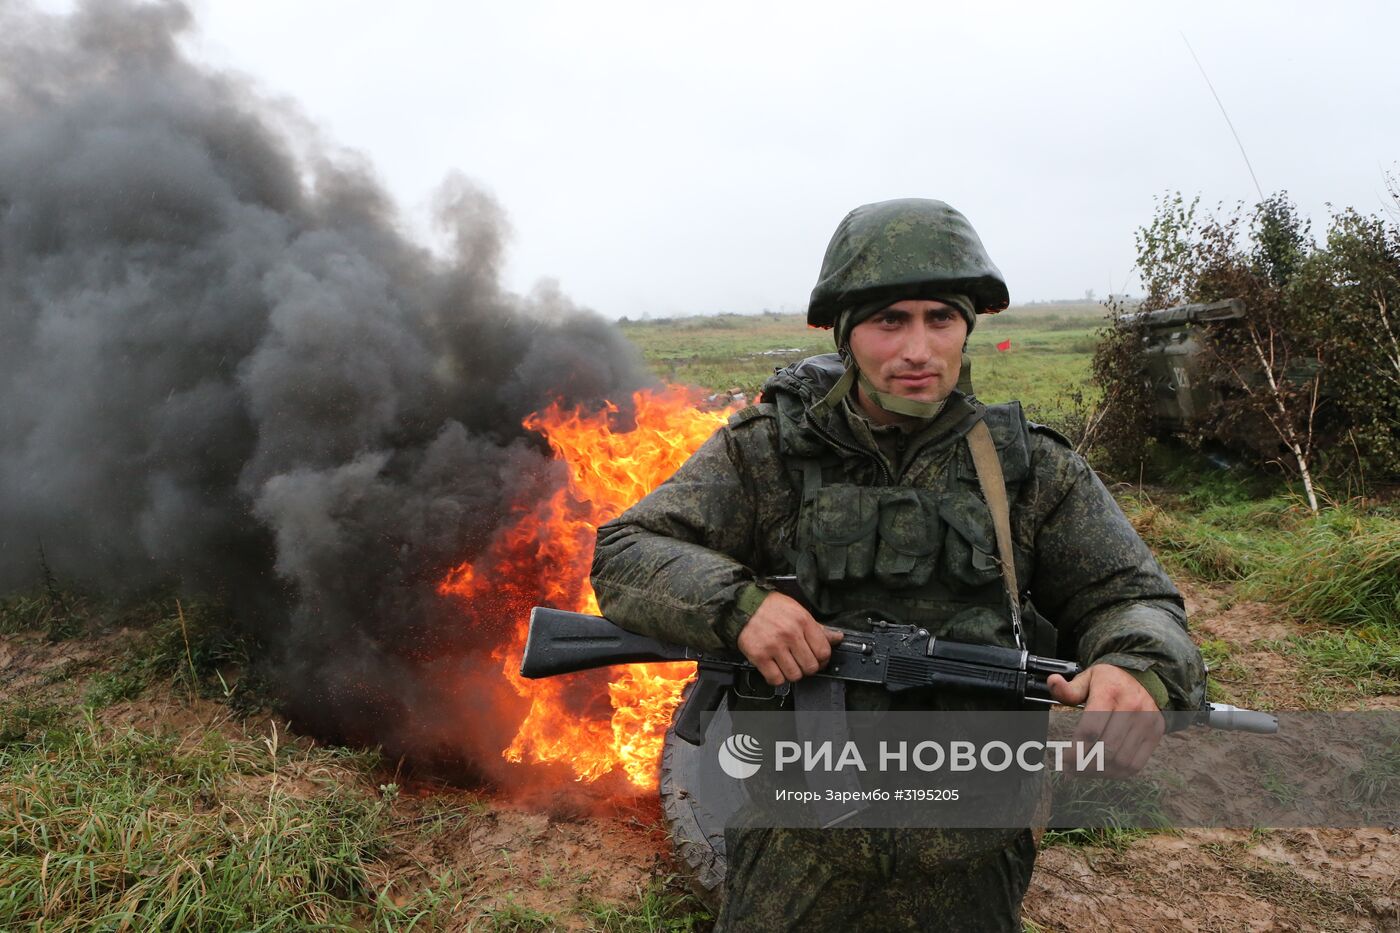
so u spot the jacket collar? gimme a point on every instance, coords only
(796, 389)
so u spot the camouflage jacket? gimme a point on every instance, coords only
(682, 563)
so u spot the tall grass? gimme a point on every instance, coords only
(1196, 548)
(1362, 660)
(121, 829)
(1340, 566)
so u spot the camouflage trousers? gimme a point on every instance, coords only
(875, 879)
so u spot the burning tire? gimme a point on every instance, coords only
(696, 810)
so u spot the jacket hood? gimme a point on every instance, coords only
(810, 379)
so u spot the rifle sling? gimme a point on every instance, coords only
(989, 476)
(813, 696)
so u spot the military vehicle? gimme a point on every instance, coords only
(1176, 356)
(1190, 393)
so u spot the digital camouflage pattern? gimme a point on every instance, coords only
(682, 565)
(876, 880)
(675, 564)
(905, 249)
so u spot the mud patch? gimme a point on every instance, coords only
(1224, 880)
(30, 662)
(1243, 624)
(1207, 880)
(1252, 673)
(520, 868)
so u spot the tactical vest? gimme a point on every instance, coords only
(917, 554)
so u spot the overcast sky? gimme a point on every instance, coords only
(663, 158)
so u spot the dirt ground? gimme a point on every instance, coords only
(570, 857)
(1213, 879)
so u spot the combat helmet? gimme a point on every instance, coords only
(909, 248)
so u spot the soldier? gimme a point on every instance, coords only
(858, 472)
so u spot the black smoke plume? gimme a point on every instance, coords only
(223, 363)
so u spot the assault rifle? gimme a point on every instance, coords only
(895, 656)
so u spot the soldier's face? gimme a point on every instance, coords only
(912, 349)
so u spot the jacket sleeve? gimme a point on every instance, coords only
(676, 565)
(1097, 580)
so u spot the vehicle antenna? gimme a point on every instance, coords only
(1221, 105)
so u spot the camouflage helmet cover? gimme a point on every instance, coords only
(910, 248)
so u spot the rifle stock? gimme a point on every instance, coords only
(561, 642)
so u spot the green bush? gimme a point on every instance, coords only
(1309, 379)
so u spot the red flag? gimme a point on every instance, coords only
(1004, 345)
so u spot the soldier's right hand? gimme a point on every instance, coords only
(784, 642)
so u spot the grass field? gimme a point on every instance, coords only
(1049, 356)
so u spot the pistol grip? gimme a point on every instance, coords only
(693, 720)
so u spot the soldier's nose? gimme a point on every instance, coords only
(917, 350)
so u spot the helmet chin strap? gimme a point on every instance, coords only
(898, 405)
(894, 404)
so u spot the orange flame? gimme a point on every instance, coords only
(546, 553)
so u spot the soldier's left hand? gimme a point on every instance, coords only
(1117, 711)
